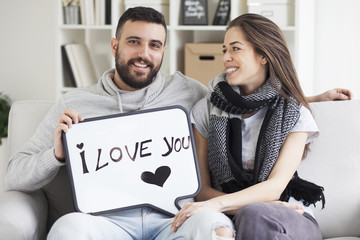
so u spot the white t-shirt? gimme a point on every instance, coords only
(250, 131)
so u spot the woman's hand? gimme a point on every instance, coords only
(296, 207)
(65, 122)
(190, 209)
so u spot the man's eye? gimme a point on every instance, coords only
(155, 46)
(224, 51)
(133, 41)
(236, 48)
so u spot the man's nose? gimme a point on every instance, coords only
(144, 52)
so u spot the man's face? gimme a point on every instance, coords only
(138, 54)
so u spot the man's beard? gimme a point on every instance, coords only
(138, 80)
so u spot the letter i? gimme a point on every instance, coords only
(85, 169)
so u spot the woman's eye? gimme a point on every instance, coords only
(224, 51)
(236, 48)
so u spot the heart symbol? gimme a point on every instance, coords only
(159, 178)
(80, 146)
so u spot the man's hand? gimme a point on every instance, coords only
(64, 124)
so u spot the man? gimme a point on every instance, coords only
(134, 84)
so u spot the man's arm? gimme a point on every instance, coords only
(332, 95)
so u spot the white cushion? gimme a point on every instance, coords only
(24, 118)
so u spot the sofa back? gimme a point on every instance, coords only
(24, 118)
(334, 163)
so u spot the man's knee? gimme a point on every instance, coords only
(223, 233)
(82, 226)
(216, 223)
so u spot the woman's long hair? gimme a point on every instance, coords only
(268, 40)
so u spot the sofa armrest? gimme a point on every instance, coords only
(23, 215)
(334, 163)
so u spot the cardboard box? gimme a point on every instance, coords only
(203, 61)
(280, 12)
(159, 5)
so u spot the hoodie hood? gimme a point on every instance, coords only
(130, 100)
(219, 78)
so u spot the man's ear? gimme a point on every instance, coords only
(114, 46)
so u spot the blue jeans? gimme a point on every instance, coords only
(139, 223)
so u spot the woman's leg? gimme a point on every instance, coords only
(262, 221)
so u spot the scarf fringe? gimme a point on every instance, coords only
(302, 190)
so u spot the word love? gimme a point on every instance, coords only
(140, 149)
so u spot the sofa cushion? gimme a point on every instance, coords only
(334, 163)
(21, 126)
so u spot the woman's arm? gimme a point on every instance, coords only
(206, 192)
(271, 189)
(267, 191)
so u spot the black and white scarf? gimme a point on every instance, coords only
(225, 140)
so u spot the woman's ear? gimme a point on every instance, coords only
(263, 60)
(114, 46)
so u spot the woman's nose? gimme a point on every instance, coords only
(226, 57)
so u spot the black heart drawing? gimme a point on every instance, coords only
(159, 178)
(80, 145)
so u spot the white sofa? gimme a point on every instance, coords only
(334, 163)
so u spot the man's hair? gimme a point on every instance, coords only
(145, 14)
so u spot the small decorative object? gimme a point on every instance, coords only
(71, 10)
(4, 115)
(222, 12)
(194, 12)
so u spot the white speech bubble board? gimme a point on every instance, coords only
(123, 161)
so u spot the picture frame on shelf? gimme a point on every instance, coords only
(194, 12)
(222, 12)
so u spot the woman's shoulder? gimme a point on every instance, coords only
(306, 123)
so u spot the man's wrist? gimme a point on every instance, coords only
(62, 160)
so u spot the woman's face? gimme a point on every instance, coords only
(244, 67)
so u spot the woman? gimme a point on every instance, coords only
(251, 132)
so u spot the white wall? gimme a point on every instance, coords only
(337, 45)
(27, 48)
